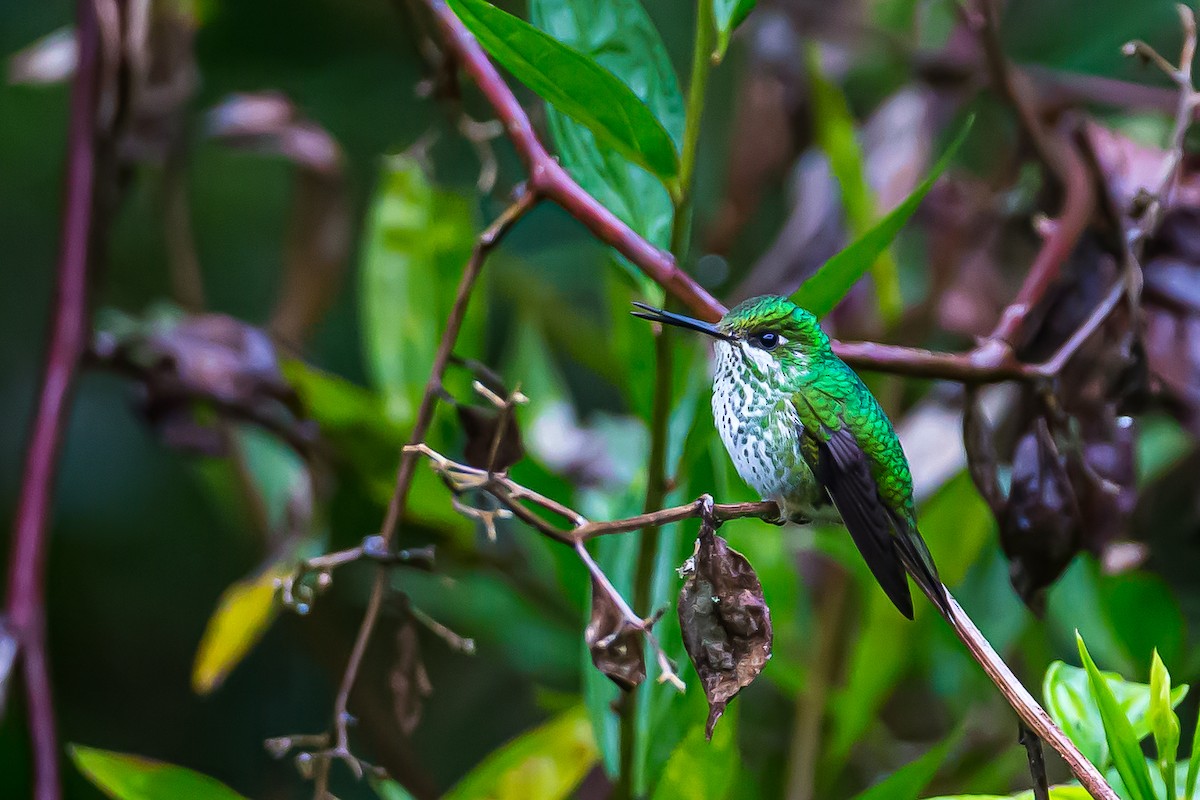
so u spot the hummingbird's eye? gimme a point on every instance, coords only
(765, 341)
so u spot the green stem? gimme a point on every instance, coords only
(657, 481)
(706, 37)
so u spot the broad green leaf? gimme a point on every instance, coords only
(820, 293)
(575, 84)
(619, 36)
(547, 762)
(728, 15)
(1156, 778)
(1118, 732)
(417, 241)
(244, 612)
(837, 137)
(1069, 701)
(128, 777)
(1163, 722)
(909, 780)
(702, 770)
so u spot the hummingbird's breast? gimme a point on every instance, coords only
(761, 430)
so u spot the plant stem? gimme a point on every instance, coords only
(657, 479)
(694, 111)
(25, 609)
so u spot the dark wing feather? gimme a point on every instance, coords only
(843, 469)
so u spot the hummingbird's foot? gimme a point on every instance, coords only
(778, 520)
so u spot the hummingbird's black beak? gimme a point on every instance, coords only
(678, 320)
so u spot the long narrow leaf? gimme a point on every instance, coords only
(575, 84)
(1163, 722)
(909, 780)
(1193, 764)
(820, 293)
(1122, 742)
(128, 777)
(836, 136)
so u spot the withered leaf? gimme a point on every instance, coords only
(725, 621)
(615, 644)
(482, 426)
(408, 679)
(1039, 527)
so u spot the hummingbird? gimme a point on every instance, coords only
(805, 432)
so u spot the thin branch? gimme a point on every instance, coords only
(991, 362)
(25, 610)
(1027, 708)
(1037, 761)
(548, 178)
(506, 491)
(1061, 157)
(526, 199)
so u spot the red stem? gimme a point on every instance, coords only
(25, 601)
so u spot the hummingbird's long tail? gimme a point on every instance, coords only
(919, 563)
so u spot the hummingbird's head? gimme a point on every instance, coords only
(766, 331)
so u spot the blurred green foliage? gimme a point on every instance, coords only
(146, 541)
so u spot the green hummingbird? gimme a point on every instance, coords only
(804, 431)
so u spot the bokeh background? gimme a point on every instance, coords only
(145, 539)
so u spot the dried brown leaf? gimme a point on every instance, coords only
(725, 621)
(615, 644)
(481, 426)
(1039, 525)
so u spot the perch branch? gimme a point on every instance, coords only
(510, 494)
(25, 610)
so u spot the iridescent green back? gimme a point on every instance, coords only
(827, 392)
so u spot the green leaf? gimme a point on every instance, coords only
(1118, 732)
(417, 241)
(909, 780)
(1066, 691)
(820, 293)
(575, 84)
(619, 36)
(1056, 793)
(728, 15)
(699, 769)
(837, 137)
(547, 762)
(1193, 767)
(1163, 722)
(388, 789)
(128, 777)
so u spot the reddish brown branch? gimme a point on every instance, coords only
(549, 179)
(991, 362)
(25, 603)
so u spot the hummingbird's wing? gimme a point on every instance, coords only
(842, 468)
(887, 539)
